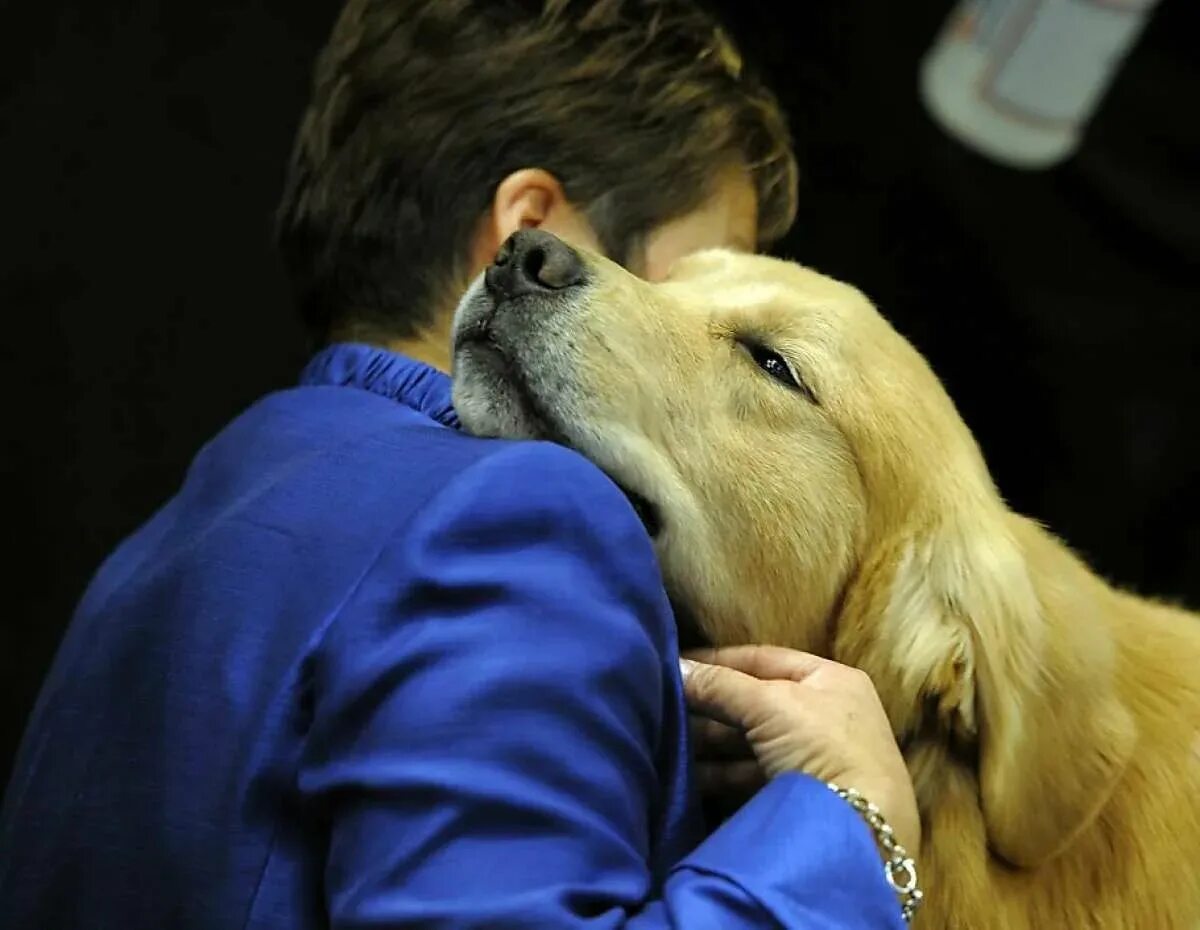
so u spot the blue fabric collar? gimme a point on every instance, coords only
(412, 383)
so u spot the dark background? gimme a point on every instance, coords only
(142, 148)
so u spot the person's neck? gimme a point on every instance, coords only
(434, 352)
(430, 344)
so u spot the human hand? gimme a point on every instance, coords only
(801, 713)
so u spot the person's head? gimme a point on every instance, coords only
(438, 127)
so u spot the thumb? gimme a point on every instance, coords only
(723, 694)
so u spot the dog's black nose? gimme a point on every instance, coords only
(533, 262)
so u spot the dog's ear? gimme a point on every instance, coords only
(963, 631)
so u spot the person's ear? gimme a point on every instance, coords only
(530, 198)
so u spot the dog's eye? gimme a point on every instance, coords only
(774, 365)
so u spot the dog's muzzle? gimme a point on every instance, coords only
(533, 262)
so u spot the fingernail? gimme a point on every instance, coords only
(685, 667)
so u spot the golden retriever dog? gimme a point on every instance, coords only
(809, 483)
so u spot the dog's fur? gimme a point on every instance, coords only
(1051, 723)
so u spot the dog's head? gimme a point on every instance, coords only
(808, 483)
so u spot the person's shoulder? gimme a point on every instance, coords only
(536, 461)
(541, 539)
(548, 479)
(553, 506)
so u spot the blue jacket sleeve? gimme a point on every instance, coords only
(485, 733)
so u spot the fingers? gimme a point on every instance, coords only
(765, 662)
(725, 694)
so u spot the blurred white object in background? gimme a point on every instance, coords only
(1017, 80)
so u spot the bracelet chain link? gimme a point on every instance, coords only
(899, 869)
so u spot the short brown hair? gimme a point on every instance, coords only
(421, 108)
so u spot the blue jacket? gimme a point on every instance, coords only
(367, 671)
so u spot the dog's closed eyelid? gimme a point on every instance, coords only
(800, 373)
(802, 384)
(754, 347)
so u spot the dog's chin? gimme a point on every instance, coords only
(489, 399)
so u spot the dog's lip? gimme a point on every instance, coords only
(477, 332)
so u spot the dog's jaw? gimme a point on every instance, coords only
(487, 398)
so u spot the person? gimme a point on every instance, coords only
(364, 670)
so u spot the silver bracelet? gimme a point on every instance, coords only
(899, 868)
